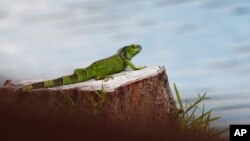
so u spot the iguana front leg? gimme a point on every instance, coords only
(129, 63)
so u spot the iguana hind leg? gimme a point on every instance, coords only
(105, 78)
(108, 77)
(99, 77)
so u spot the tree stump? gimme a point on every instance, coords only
(141, 95)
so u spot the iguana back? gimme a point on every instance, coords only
(98, 70)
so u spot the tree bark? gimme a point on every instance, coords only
(142, 95)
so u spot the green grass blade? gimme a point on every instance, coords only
(178, 96)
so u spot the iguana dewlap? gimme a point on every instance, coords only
(98, 70)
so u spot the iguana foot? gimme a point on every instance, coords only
(143, 67)
(139, 68)
(107, 78)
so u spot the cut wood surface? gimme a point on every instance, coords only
(141, 95)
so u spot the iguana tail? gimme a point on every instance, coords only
(79, 75)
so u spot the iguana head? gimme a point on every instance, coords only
(128, 52)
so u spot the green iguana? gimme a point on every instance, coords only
(99, 70)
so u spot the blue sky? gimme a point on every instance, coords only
(204, 45)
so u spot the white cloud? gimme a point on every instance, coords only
(9, 49)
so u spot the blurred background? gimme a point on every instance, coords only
(204, 44)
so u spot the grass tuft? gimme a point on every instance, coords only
(188, 119)
(97, 104)
(70, 103)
